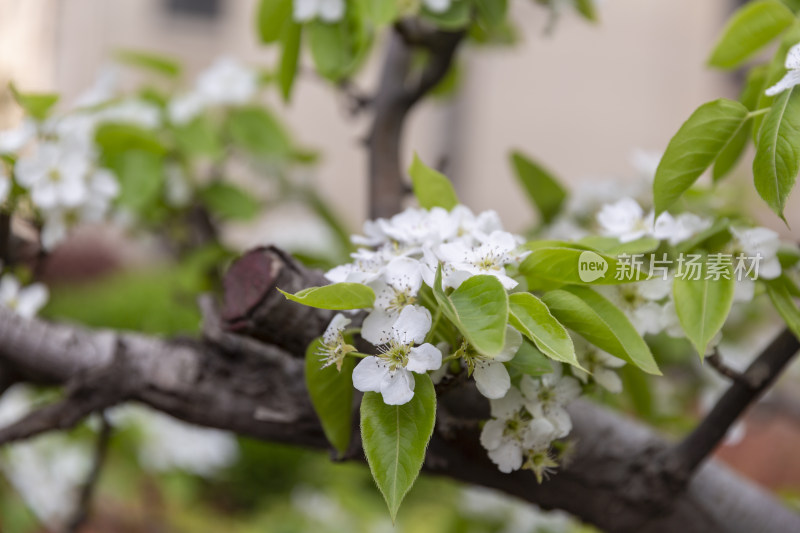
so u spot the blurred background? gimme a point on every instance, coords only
(592, 102)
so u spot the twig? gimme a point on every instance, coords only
(686, 456)
(87, 491)
(716, 362)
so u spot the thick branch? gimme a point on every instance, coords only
(618, 478)
(742, 393)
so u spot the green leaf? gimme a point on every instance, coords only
(380, 12)
(331, 394)
(287, 70)
(544, 190)
(272, 17)
(230, 202)
(37, 105)
(395, 438)
(431, 187)
(600, 322)
(612, 245)
(697, 144)
(775, 70)
(492, 13)
(141, 178)
(549, 267)
(781, 295)
(532, 318)
(730, 155)
(479, 309)
(702, 305)
(156, 63)
(333, 48)
(113, 139)
(752, 27)
(457, 17)
(587, 9)
(777, 159)
(199, 137)
(528, 361)
(338, 296)
(255, 130)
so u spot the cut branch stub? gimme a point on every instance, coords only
(252, 306)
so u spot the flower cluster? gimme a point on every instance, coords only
(401, 259)
(399, 262)
(225, 82)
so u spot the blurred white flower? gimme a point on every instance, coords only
(326, 10)
(24, 301)
(14, 140)
(490, 374)
(792, 77)
(169, 443)
(547, 396)
(625, 219)
(600, 366)
(761, 246)
(54, 175)
(227, 81)
(183, 108)
(131, 111)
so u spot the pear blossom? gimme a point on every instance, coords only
(185, 107)
(5, 184)
(600, 366)
(546, 397)
(792, 77)
(491, 376)
(334, 348)
(14, 140)
(625, 219)
(642, 302)
(394, 290)
(437, 6)
(414, 228)
(325, 10)
(24, 301)
(54, 175)
(761, 246)
(227, 81)
(390, 371)
(488, 257)
(512, 431)
(131, 111)
(676, 230)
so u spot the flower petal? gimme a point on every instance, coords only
(492, 434)
(377, 326)
(507, 456)
(423, 358)
(412, 325)
(397, 387)
(492, 379)
(368, 374)
(511, 347)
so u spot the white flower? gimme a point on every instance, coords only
(489, 257)
(25, 302)
(491, 375)
(131, 111)
(761, 246)
(54, 175)
(511, 432)
(681, 228)
(394, 290)
(546, 397)
(12, 141)
(183, 108)
(334, 348)
(227, 81)
(792, 77)
(5, 184)
(642, 302)
(600, 366)
(625, 219)
(437, 6)
(327, 10)
(414, 228)
(177, 189)
(390, 372)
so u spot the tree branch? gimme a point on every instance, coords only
(743, 392)
(618, 479)
(396, 95)
(88, 489)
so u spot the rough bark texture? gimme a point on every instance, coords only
(621, 477)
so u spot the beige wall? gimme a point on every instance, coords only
(580, 100)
